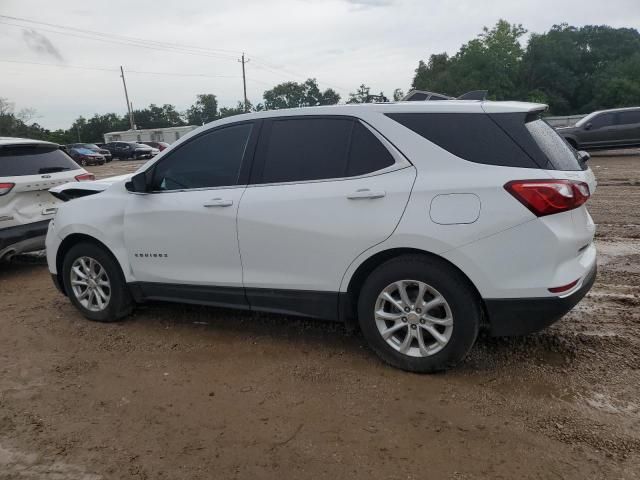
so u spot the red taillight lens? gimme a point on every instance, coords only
(6, 188)
(564, 288)
(546, 197)
(85, 177)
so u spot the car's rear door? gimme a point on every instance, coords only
(323, 190)
(629, 127)
(27, 171)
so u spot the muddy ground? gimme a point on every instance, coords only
(198, 393)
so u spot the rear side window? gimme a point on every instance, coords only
(210, 160)
(553, 146)
(305, 149)
(366, 154)
(474, 137)
(630, 117)
(20, 160)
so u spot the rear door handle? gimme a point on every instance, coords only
(218, 202)
(366, 193)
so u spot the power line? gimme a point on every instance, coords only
(150, 44)
(115, 69)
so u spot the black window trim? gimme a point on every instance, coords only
(255, 179)
(245, 165)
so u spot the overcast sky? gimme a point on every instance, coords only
(342, 43)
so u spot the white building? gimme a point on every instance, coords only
(168, 134)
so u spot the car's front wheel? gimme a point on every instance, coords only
(95, 284)
(419, 314)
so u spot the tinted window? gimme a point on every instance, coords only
(602, 120)
(417, 97)
(626, 118)
(473, 136)
(366, 154)
(33, 160)
(210, 160)
(301, 149)
(556, 149)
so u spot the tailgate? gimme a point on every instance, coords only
(29, 201)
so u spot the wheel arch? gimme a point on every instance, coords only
(349, 299)
(69, 242)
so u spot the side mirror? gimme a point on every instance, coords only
(588, 126)
(137, 183)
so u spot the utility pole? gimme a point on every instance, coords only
(126, 96)
(244, 82)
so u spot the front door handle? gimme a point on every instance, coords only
(218, 202)
(366, 193)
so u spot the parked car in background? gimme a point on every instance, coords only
(85, 157)
(95, 148)
(28, 168)
(617, 128)
(159, 145)
(130, 150)
(422, 221)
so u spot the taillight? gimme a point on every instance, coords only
(85, 177)
(6, 188)
(564, 288)
(546, 197)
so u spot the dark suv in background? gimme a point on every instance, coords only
(619, 128)
(126, 150)
(94, 148)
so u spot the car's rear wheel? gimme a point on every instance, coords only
(95, 284)
(419, 314)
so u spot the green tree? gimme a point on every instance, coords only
(204, 110)
(293, 94)
(489, 62)
(158, 117)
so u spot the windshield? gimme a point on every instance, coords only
(84, 151)
(19, 160)
(586, 119)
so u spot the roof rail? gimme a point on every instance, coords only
(423, 95)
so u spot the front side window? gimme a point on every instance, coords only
(602, 120)
(209, 160)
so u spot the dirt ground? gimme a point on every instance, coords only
(199, 393)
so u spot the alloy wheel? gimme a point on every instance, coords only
(413, 318)
(90, 284)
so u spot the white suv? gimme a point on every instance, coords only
(420, 221)
(28, 168)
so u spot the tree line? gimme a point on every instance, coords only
(573, 70)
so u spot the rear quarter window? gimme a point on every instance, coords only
(20, 160)
(472, 136)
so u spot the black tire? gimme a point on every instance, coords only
(462, 298)
(83, 162)
(120, 303)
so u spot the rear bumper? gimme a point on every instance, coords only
(520, 316)
(23, 238)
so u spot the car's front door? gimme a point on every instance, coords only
(323, 190)
(181, 237)
(600, 132)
